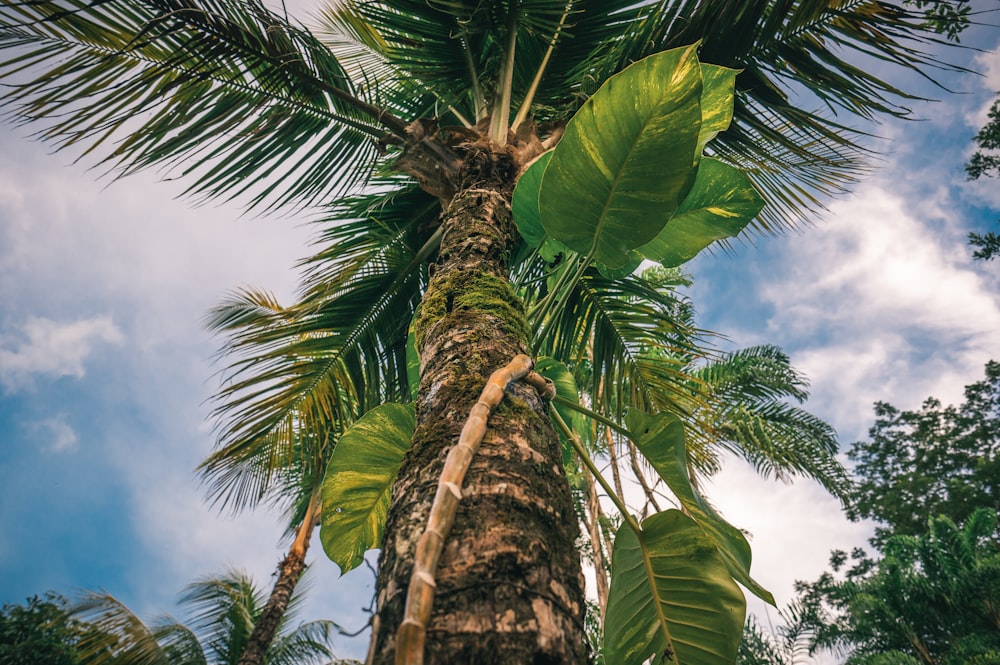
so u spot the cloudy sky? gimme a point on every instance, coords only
(105, 367)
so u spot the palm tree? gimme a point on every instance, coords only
(223, 611)
(284, 466)
(458, 99)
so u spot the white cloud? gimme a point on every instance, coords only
(52, 348)
(58, 435)
(882, 302)
(986, 63)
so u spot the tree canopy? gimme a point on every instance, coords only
(933, 461)
(40, 632)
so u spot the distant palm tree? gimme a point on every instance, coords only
(283, 465)
(222, 614)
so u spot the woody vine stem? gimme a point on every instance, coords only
(420, 595)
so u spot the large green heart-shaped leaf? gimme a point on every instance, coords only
(358, 482)
(660, 439)
(524, 204)
(717, 96)
(626, 159)
(671, 597)
(721, 203)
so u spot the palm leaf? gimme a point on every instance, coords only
(222, 612)
(301, 375)
(309, 643)
(225, 92)
(610, 326)
(750, 417)
(119, 636)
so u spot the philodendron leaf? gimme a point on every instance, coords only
(660, 439)
(358, 482)
(566, 388)
(524, 207)
(524, 204)
(717, 95)
(631, 264)
(721, 203)
(627, 158)
(671, 597)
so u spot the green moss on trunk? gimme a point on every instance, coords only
(509, 584)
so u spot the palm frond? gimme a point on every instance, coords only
(300, 375)
(277, 463)
(632, 338)
(750, 417)
(762, 373)
(308, 643)
(119, 635)
(780, 440)
(455, 49)
(223, 611)
(179, 643)
(227, 93)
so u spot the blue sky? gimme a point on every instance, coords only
(105, 367)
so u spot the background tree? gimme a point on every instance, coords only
(40, 632)
(934, 461)
(930, 592)
(222, 612)
(932, 598)
(461, 97)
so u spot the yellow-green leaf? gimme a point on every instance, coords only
(627, 158)
(660, 439)
(717, 96)
(721, 203)
(358, 483)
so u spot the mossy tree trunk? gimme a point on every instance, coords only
(509, 584)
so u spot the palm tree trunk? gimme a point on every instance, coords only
(509, 587)
(289, 572)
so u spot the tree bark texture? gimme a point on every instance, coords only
(509, 587)
(289, 572)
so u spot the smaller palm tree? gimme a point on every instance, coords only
(222, 614)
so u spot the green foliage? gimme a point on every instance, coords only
(932, 598)
(938, 460)
(626, 160)
(40, 632)
(986, 162)
(358, 483)
(660, 439)
(722, 201)
(751, 416)
(621, 181)
(245, 103)
(947, 17)
(188, 74)
(222, 612)
(672, 596)
(758, 647)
